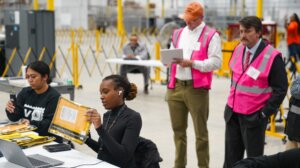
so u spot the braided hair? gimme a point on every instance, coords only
(120, 82)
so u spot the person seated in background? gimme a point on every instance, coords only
(119, 132)
(36, 104)
(136, 51)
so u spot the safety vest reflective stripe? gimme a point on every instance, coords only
(295, 109)
(206, 32)
(253, 89)
(175, 38)
(263, 65)
(264, 62)
(235, 56)
(200, 79)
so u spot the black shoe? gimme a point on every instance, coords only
(146, 89)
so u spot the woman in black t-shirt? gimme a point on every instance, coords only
(120, 129)
(35, 104)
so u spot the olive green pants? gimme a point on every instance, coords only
(182, 100)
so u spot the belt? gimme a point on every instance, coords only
(184, 82)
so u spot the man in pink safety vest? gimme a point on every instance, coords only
(258, 87)
(190, 81)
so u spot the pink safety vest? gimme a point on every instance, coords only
(248, 95)
(200, 79)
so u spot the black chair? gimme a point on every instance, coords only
(146, 154)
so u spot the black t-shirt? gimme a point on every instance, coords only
(39, 109)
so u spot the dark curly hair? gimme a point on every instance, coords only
(129, 89)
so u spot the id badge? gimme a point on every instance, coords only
(253, 73)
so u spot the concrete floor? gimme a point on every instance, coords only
(156, 120)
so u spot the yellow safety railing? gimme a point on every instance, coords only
(84, 38)
(157, 57)
(65, 61)
(53, 60)
(272, 130)
(96, 57)
(75, 61)
(24, 61)
(85, 52)
(9, 62)
(227, 49)
(98, 33)
(293, 61)
(84, 63)
(42, 53)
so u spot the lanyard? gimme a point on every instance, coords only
(111, 125)
(114, 121)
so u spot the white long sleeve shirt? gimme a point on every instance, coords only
(188, 42)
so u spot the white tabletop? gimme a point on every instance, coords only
(152, 63)
(70, 158)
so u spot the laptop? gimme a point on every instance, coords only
(14, 154)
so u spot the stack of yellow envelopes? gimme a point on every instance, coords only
(23, 135)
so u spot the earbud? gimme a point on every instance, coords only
(120, 92)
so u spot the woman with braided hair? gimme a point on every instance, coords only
(119, 131)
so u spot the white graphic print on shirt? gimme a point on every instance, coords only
(35, 112)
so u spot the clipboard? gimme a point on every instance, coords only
(70, 121)
(167, 55)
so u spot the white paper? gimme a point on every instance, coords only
(167, 55)
(253, 73)
(68, 114)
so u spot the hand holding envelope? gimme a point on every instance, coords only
(94, 117)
